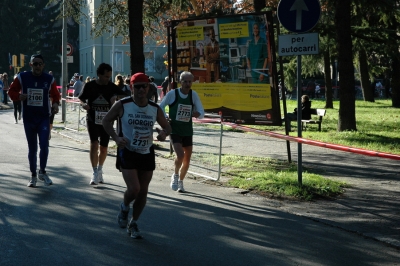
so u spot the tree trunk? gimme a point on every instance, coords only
(135, 9)
(368, 94)
(328, 80)
(347, 112)
(395, 82)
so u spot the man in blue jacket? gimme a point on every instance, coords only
(35, 89)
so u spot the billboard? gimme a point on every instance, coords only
(232, 59)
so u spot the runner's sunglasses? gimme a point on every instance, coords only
(138, 86)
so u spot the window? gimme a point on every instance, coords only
(87, 28)
(91, 62)
(118, 64)
(81, 31)
(149, 61)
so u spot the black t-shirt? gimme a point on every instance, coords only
(98, 97)
(152, 92)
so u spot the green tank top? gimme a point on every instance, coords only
(180, 113)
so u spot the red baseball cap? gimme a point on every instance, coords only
(139, 77)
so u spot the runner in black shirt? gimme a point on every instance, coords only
(97, 97)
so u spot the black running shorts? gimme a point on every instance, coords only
(185, 140)
(96, 132)
(127, 159)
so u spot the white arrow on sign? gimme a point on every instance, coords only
(299, 6)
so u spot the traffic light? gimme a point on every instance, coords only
(14, 61)
(22, 58)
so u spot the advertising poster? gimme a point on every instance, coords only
(230, 58)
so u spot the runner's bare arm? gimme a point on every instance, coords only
(115, 112)
(162, 121)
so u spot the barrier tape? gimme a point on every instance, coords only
(304, 141)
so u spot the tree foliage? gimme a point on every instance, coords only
(347, 29)
(19, 36)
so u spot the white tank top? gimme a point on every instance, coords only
(136, 125)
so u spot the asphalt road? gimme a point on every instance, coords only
(72, 223)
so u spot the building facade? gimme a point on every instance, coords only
(96, 50)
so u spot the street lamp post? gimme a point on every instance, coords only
(64, 65)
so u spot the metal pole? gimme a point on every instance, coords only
(64, 65)
(299, 125)
(283, 93)
(112, 53)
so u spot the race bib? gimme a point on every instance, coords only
(98, 117)
(141, 141)
(184, 113)
(35, 97)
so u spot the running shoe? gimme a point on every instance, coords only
(180, 186)
(122, 217)
(19, 117)
(94, 180)
(100, 176)
(174, 182)
(32, 182)
(45, 178)
(134, 231)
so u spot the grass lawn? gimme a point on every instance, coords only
(377, 129)
(378, 126)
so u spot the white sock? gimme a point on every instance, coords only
(94, 169)
(99, 168)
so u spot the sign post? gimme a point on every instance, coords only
(298, 16)
(70, 51)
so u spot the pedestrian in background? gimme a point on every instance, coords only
(135, 156)
(52, 111)
(1, 87)
(78, 84)
(152, 95)
(17, 107)
(96, 98)
(184, 103)
(317, 90)
(6, 87)
(119, 81)
(305, 112)
(35, 88)
(165, 86)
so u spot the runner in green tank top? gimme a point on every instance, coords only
(184, 103)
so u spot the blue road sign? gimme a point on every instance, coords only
(299, 15)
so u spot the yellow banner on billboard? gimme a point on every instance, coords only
(192, 33)
(234, 30)
(240, 97)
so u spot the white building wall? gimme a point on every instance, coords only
(96, 51)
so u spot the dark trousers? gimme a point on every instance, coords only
(37, 131)
(5, 97)
(17, 109)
